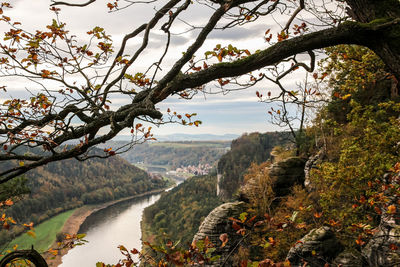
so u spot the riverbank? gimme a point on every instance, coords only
(74, 222)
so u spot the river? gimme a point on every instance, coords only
(108, 228)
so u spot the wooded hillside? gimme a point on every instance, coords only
(178, 213)
(249, 148)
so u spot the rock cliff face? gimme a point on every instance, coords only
(310, 164)
(383, 249)
(286, 173)
(217, 223)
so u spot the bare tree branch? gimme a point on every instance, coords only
(57, 3)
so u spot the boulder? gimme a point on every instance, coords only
(384, 247)
(316, 248)
(217, 223)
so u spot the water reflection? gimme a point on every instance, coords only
(106, 230)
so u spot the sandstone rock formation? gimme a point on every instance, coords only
(310, 164)
(217, 223)
(285, 174)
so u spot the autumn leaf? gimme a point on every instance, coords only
(271, 241)
(236, 226)
(391, 209)
(31, 233)
(346, 96)
(377, 210)
(219, 56)
(359, 241)
(197, 123)
(224, 239)
(318, 214)
(301, 225)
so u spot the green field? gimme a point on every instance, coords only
(45, 233)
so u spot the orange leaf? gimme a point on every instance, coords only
(391, 209)
(236, 226)
(359, 241)
(318, 214)
(219, 57)
(31, 233)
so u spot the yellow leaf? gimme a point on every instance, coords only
(21, 163)
(346, 96)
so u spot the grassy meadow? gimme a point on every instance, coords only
(45, 234)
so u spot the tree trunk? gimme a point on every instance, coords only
(388, 46)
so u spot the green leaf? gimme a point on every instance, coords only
(243, 216)
(80, 236)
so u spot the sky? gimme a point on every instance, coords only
(232, 113)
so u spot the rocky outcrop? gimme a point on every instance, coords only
(384, 247)
(217, 223)
(311, 163)
(316, 248)
(286, 173)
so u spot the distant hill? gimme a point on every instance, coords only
(172, 155)
(197, 137)
(176, 137)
